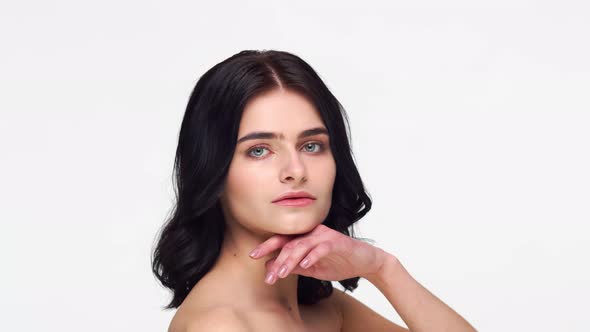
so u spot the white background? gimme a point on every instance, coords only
(470, 125)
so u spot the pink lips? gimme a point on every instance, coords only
(295, 198)
(303, 201)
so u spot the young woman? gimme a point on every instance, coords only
(264, 162)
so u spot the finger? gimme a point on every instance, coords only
(271, 244)
(269, 263)
(315, 255)
(290, 256)
(308, 272)
(286, 250)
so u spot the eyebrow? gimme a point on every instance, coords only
(270, 135)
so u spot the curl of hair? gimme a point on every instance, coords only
(189, 242)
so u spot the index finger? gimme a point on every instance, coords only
(271, 244)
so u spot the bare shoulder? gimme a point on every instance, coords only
(356, 316)
(216, 319)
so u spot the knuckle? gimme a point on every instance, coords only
(283, 256)
(325, 246)
(290, 262)
(290, 245)
(296, 244)
(302, 243)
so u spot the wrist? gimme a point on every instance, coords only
(384, 264)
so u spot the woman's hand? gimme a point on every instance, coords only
(323, 254)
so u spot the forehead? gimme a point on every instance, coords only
(282, 111)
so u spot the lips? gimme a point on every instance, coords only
(294, 196)
(303, 201)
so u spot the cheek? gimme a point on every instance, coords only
(245, 185)
(251, 187)
(246, 189)
(325, 174)
(326, 180)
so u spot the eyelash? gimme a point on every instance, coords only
(248, 153)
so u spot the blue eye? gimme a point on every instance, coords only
(256, 148)
(257, 151)
(319, 145)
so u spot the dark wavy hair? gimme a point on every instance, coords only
(190, 241)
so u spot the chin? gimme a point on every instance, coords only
(298, 226)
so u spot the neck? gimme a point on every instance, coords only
(248, 274)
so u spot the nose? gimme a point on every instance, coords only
(293, 170)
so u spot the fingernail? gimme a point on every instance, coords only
(254, 253)
(269, 277)
(283, 271)
(305, 262)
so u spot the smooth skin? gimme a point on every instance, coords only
(262, 169)
(331, 255)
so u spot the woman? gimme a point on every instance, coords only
(264, 162)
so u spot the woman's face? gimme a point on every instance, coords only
(262, 169)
